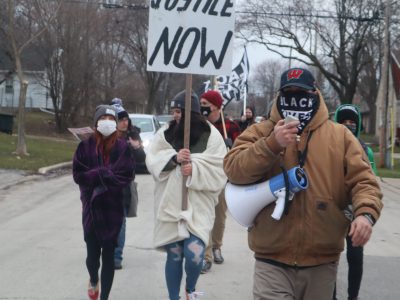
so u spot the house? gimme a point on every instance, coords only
(395, 68)
(34, 71)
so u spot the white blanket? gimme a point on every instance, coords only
(206, 182)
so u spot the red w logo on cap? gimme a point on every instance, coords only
(294, 74)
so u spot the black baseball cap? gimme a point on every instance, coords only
(297, 77)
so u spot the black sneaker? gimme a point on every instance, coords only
(117, 265)
(206, 266)
(218, 259)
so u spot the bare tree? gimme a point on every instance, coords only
(265, 83)
(73, 50)
(395, 25)
(332, 41)
(21, 30)
(48, 48)
(94, 54)
(111, 53)
(368, 83)
(137, 53)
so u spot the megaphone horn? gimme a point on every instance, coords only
(246, 201)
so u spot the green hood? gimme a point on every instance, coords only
(349, 112)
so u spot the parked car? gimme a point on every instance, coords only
(148, 125)
(163, 119)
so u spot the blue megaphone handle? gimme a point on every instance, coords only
(297, 181)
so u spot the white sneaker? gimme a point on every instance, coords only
(194, 295)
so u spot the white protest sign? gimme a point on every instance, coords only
(191, 36)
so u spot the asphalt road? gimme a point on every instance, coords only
(42, 252)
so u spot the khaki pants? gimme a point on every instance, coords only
(275, 283)
(217, 233)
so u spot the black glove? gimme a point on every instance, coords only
(134, 135)
(228, 143)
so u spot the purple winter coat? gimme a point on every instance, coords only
(101, 188)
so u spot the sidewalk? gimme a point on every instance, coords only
(9, 178)
(394, 182)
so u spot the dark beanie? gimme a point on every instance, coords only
(213, 97)
(103, 110)
(123, 114)
(347, 112)
(179, 102)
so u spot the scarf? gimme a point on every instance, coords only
(301, 105)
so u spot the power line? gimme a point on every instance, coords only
(109, 5)
(328, 15)
(317, 16)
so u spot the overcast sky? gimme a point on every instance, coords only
(256, 53)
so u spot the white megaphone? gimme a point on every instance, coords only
(246, 201)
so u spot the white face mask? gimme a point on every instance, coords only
(106, 127)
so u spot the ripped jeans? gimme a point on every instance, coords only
(192, 249)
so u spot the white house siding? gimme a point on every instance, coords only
(36, 96)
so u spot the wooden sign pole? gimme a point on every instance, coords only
(186, 139)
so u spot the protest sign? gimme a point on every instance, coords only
(193, 37)
(81, 133)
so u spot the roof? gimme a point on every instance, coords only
(31, 60)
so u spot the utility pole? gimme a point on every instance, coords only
(383, 91)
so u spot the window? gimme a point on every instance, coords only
(145, 124)
(9, 85)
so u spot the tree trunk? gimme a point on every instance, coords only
(21, 146)
(372, 119)
(150, 101)
(163, 108)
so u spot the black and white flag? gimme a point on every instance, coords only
(234, 86)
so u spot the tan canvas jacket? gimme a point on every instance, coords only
(339, 173)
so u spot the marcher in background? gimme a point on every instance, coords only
(297, 256)
(102, 167)
(129, 131)
(210, 107)
(131, 134)
(247, 119)
(184, 234)
(349, 116)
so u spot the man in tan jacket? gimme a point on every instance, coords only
(297, 256)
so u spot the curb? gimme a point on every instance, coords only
(45, 170)
(25, 179)
(6, 182)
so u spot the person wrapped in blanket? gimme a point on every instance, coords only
(184, 234)
(102, 166)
